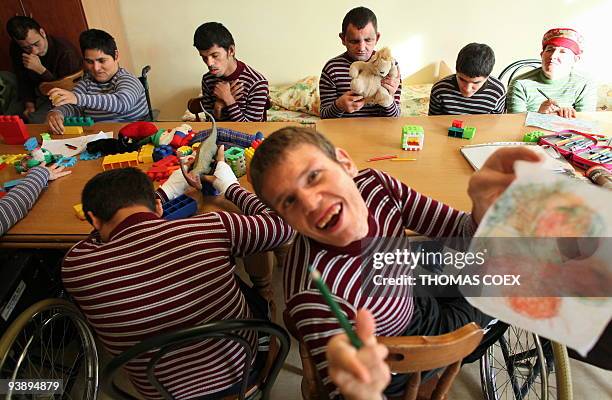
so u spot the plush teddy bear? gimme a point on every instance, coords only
(366, 77)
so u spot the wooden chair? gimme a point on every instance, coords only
(407, 354)
(67, 83)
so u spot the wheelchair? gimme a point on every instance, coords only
(46, 340)
(521, 365)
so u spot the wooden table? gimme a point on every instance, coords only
(52, 223)
(440, 171)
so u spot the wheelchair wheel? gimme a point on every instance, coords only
(51, 340)
(522, 365)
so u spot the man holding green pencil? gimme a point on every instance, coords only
(318, 190)
(556, 87)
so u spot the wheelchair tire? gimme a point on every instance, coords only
(51, 340)
(521, 366)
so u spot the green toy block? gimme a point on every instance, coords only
(78, 121)
(45, 136)
(455, 132)
(533, 136)
(469, 132)
(234, 156)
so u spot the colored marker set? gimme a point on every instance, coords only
(579, 148)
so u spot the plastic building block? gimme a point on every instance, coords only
(11, 184)
(248, 154)
(85, 156)
(413, 137)
(66, 161)
(73, 130)
(167, 161)
(469, 132)
(184, 151)
(13, 130)
(120, 160)
(533, 136)
(78, 211)
(181, 207)
(145, 155)
(31, 144)
(255, 143)
(12, 158)
(161, 173)
(78, 121)
(45, 136)
(234, 156)
(457, 123)
(162, 151)
(455, 132)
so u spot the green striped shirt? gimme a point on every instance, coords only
(574, 91)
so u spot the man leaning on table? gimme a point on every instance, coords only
(556, 87)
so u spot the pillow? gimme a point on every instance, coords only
(604, 97)
(415, 99)
(302, 96)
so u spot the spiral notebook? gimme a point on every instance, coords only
(477, 154)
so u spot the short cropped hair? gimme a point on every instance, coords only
(212, 33)
(475, 59)
(96, 39)
(359, 17)
(112, 190)
(273, 149)
(18, 27)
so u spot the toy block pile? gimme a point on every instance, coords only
(13, 130)
(457, 130)
(161, 170)
(413, 137)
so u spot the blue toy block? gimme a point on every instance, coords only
(11, 184)
(455, 132)
(66, 161)
(78, 121)
(85, 156)
(209, 190)
(30, 144)
(181, 207)
(162, 151)
(259, 136)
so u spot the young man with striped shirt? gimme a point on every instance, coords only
(320, 193)
(107, 92)
(471, 90)
(556, 87)
(231, 89)
(359, 35)
(138, 275)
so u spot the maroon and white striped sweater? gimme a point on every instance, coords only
(156, 276)
(250, 106)
(335, 81)
(393, 207)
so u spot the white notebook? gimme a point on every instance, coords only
(477, 154)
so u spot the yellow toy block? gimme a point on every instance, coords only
(9, 159)
(78, 210)
(248, 154)
(73, 130)
(146, 153)
(184, 151)
(120, 160)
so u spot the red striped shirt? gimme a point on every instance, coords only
(393, 207)
(155, 276)
(250, 106)
(335, 81)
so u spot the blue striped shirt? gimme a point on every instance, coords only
(120, 99)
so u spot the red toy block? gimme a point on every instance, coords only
(161, 173)
(13, 129)
(457, 123)
(255, 143)
(167, 161)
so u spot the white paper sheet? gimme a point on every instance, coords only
(59, 146)
(544, 207)
(555, 123)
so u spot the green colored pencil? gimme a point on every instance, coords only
(335, 308)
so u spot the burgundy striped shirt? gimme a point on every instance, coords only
(335, 81)
(393, 207)
(250, 106)
(156, 276)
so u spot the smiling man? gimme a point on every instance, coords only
(318, 191)
(38, 57)
(568, 91)
(359, 35)
(231, 90)
(471, 90)
(107, 92)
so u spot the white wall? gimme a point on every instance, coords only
(287, 40)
